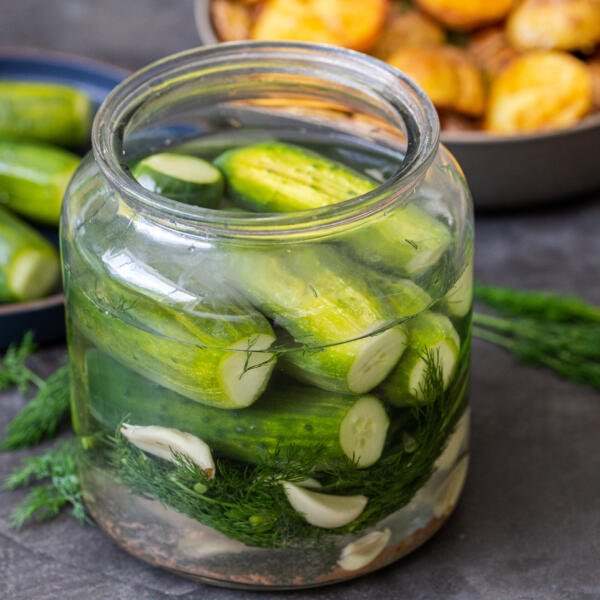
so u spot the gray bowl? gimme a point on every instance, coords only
(508, 171)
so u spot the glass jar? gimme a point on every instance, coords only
(272, 399)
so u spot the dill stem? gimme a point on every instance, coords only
(197, 495)
(35, 379)
(493, 322)
(492, 337)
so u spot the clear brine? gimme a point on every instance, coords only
(327, 378)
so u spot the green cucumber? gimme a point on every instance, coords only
(183, 178)
(273, 176)
(33, 179)
(214, 353)
(405, 298)
(313, 293)
(428, 333)
(45, 112)
(290, 416)
(29, 266)
(459, 300)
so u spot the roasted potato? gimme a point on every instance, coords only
(448, 76)
(491, 51)
(466, 14)
(328, 21)
(406, 28)
(594, 67)
(539, 90)
(232, 19)
(555, 24)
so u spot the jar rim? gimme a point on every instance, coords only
(391, 86)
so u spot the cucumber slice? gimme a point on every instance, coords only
(34, 178)
(273, 176)
(29, 266)
(213, 352)
(314, 293)
(183, 178)
(45, 112)
(287, 416)
(324, 510)
(459, 300)
(405, 297)
(166, 443)
(428, 333)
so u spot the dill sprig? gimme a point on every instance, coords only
(57, 485)
(543, 329)
(41, 417)
(247, 502)
(13, 368)
(547, 306)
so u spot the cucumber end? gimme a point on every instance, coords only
(32, 274)
(246, 370)
(363, 431)
(446, 355)
(376, 358)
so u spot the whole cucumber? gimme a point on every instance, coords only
(285, 417)
(33, 179)
(279, 177)
(45, 112)
(29, 266)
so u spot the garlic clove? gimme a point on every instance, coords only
(456, 442)
(164, 442)
(361, 552)
(324, 510)
(309, 482)
(447, 495)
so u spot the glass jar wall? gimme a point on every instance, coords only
(271, 392)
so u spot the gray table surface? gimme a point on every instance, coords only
(528, 526)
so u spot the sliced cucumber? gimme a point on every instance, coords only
(29, 266)
(313, 292)
(183, 178)
(33, 179)
(405, 297)
(428, 334)
(290, 416)
(215, 353)
(273, 176)
(324, 510)
(459, 299)
(45, 112)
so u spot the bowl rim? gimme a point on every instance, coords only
(16, 308)
(208, 35)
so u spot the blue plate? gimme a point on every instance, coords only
(46, 316)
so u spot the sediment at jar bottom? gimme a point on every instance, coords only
(206, 358)
(286, 417)
(314, 293)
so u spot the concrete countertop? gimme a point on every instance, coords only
(528, 526)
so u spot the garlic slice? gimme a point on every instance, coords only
(447, 495)
(324, 510)
(309, 482)
(361, 552)
(164, 442)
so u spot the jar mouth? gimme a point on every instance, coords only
(406, 105)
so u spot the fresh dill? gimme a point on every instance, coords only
(56, 483)
(13, 368)
(543, 329)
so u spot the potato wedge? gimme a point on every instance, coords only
(555, 24)
(327, 21)
(594, 66)
(407, 28)
(491, 51)
(466, 14)
(448, 76)
(539, 90)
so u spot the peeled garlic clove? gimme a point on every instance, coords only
(165, 442)
(360, 553)
(324, 510)
(447, 459)
(309, 482)
(447, 495)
